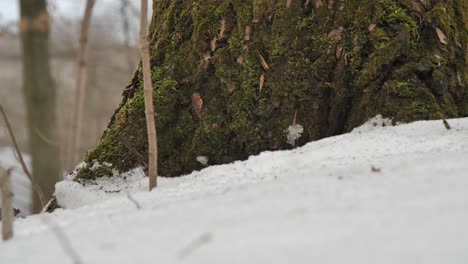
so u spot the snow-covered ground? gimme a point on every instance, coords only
(375, 195)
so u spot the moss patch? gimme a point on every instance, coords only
(328, 68)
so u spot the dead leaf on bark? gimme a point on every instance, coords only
(442, 36)
(262, 61)
(248, 31)
(318, 3)
(213, 44)
(339, 51)
(417, 7)
(240, 60)
(335, 34)
(222, 28)
(261, 82)
(231, 86)
(197, 103)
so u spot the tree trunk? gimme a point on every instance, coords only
(40, 96)
(233, 78)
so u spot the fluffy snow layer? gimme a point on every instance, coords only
(375, 195)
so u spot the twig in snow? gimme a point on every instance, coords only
(34, 183)
(375, 169)
(446, 124)
(134, 201)
(195, 244)
(148, 95)
(63, 240)
(7, 206)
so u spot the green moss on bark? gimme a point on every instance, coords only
(330, 68)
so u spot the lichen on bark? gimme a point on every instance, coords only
(326, 65)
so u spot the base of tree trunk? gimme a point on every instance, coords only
(232, 77)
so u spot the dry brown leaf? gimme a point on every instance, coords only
(222, 28)
(248, 31)
(262, 61)
(335, 34)
(318, 3)
(288, 3)
(339, 51)
(231, 86)
(442, 36)
(261, 82)
(197, 103)
(372, 27)
(213, 44)
(417, 7)
(240, 60)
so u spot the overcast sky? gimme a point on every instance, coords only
(69, 8)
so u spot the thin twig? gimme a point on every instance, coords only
(201, 240)
(7, 213)
(295, 116)
(44, 138)
(133, 150)
(80, 85)
(446, 124)
(134, 201)
(63, 240)
(34, 183)
(148, 94)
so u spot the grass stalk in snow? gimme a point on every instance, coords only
(37, 188)
(7, 204)
(148, 93)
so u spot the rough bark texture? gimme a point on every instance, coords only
(328, 65)
(40, 97)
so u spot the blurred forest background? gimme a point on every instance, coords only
(113, 56)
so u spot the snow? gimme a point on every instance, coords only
(321, 203)
(294, 133)
(203, 160)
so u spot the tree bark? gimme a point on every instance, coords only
(233, 78)
(40, 97)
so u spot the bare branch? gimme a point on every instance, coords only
(134, 201)
(203, 239)
(81, 78)
(37, 188)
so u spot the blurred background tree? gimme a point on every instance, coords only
(40, 97)
(113, 57)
